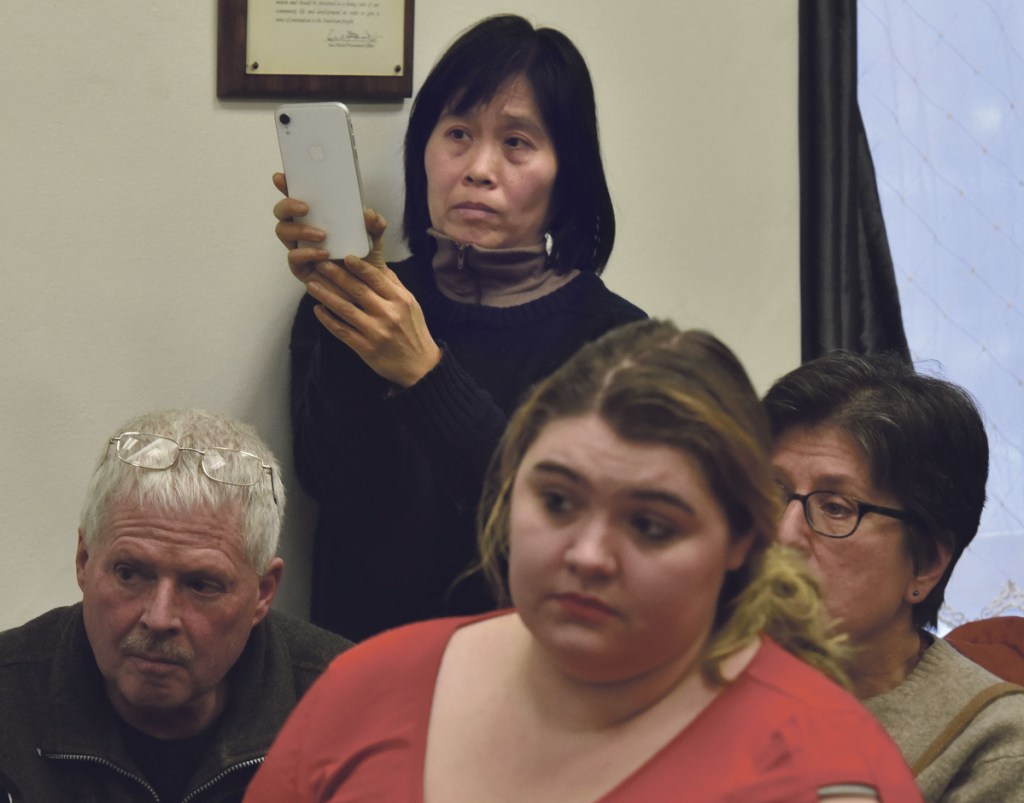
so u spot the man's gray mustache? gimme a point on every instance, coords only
(147, 647)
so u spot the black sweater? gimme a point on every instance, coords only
(398, 476)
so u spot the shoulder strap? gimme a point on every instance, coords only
(963, 718)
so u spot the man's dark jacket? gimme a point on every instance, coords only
(59, 735)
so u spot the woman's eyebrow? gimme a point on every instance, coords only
(665, 497)
(562, 470)
(524, 119)
(833, 481)
(645, 494)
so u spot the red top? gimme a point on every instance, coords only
(780, 732)
(997, 644)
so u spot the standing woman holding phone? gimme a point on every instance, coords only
(403, 375)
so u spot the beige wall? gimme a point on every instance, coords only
(140, 267)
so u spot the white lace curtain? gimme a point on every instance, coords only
(941, 90)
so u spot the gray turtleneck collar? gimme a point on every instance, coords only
(494, 277)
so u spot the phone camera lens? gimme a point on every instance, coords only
(285, 119)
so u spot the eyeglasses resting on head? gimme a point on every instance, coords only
(219, 463)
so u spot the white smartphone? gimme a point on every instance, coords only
(318, 153)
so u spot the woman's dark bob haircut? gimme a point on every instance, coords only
(581, 221)
(923, 437)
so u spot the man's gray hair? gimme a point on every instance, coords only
(183, 488)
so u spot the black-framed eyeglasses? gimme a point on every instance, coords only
(835, 515)
(219, 463)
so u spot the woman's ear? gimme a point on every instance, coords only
(738, 550)
(927, 577)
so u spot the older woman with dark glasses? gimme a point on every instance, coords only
(889, 469)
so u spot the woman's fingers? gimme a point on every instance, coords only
(367, 296)
(304, 262)
(361, 301)
(392, 340)
(290, 232)
(289, 229)
(336, 300)
(375, 227)
(289, 208)
(335, 325)
(380, 280)
(361, 279)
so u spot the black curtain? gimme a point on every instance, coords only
(848, 294)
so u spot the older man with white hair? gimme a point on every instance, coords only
(171, 677)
